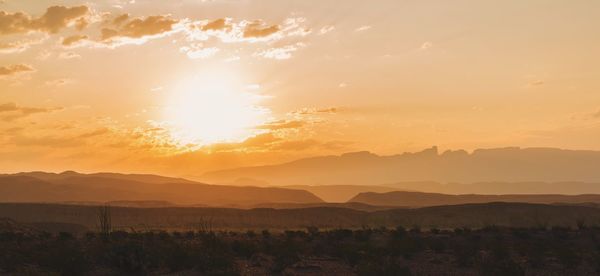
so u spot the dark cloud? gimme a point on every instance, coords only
(328, 110)
(217, 25)
(14, 23)
(257, 29)
(98, 132)
(52, 21)
(15, 69)
(140, 27)
(69, 41)
(12, 111)
(120, 19)
(58, 17)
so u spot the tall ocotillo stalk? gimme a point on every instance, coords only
(104, 220)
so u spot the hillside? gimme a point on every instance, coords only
(497, 187)
(469, 215)
(74, 187)
(482, 165)
(419, 199)
(339, 193)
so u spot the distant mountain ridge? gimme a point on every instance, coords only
(111, 187)
(498, 188)
(419, 199)
(340, 193)
(146, 178)
(483, 165)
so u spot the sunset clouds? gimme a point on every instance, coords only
(15, 69)
(12, 111)
(93, 28)
(138, 27)
(189, 85)
(52, 21)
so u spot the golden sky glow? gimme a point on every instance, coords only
(181, 87)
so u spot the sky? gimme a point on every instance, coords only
(182, 87)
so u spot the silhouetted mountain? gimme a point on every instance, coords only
(572, 188)
(146, 178)
(483, 165)
(340, 193)
(73, 187)
(418, 199)
(346, 205)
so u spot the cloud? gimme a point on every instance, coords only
(280, 53)
(15, 69)
(537, 83)
(297, 145)
(196, 51)
(58, 82)
(309, 111)
(68, 55)
(326, 29)
(259, 142)
(156, 25)
(218, 25)
(258, 29)
(46, 141)
(58, 17)
(74, 39)
(120, 19)
(52, 21)
(279, 125)
(14, 23)
(18, 46)
(363, 28)
(98, 132)
(245, 31)
(12, 47)
(328, 110)
(13, 130)
(12, 111)
(426, 45)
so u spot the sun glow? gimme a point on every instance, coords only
(212, 109)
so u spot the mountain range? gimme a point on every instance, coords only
(419, 199)
(104, 187)
(501, 165)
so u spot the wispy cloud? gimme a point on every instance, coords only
(15, 69)
(281, 53)
(52, 21)
(363, 28)
(12, 111)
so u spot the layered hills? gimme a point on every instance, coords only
(105, 187)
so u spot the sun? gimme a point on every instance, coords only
(213, 108)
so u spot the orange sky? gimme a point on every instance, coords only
(181, 87)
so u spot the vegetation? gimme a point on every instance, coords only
(491, 250)
(57, 217)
